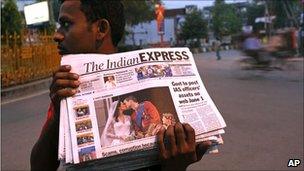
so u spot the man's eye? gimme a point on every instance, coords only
(66, 24)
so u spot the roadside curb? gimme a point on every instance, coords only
(19, 91)
(206, 49)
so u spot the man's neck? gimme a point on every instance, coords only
(109, 50)
(107, 46)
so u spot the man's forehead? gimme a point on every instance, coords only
(70, 8)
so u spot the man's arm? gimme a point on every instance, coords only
(44, 154)
(152, 111)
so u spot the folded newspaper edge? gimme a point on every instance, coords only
(125, 98)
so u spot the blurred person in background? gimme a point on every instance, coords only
(252, 47)
(217, 47)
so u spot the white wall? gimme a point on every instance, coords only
(147, 33)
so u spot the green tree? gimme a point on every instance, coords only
(286, 12)
(11, 21)
(225, 19)
(55, 9)
(194, 28)
(255, 11)
(138, 11)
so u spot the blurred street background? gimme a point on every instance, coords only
(249, 54)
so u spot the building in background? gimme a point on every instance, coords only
(146, 34)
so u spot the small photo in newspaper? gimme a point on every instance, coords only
(152, 71)
(182, 70)
(83, 126)
(87, 153)
(85, 139)
(133, 116)
(109, 81)
(81, 111)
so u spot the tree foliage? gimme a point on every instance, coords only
(138, 11)
(286, 13)
(254, 11)
(11, 21)
(225, 19)
(55, 8)
(194, 27)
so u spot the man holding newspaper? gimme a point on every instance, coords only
(96, 26)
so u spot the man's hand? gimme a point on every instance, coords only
(64, 84)
(178, 148)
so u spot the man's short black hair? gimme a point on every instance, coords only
(131, 98)
(111, 10)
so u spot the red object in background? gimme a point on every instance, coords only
(160, 16)
(293, 39)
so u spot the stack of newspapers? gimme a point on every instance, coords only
(122, 102)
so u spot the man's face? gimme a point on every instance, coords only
(127, 103)
(110, 78)
(75, 34)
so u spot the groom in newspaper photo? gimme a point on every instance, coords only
(145, 117)
(96, 26)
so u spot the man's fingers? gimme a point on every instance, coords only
(190, 134)
(62, 84)
(61, 88)
(63, 80)
(170, 136)
(65, 75)
(161, 145)
(66, 83)
(65, 68)
(66, 92)
(180, 136)
(201, 149)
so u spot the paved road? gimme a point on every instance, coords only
(20, 126)
(263, 111)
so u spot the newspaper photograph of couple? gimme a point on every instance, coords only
(134, 116)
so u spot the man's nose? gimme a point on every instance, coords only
(58, 37)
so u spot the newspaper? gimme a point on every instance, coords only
(125, 98)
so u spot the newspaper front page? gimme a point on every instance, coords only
(125, 98)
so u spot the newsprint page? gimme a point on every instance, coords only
(125, 98)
